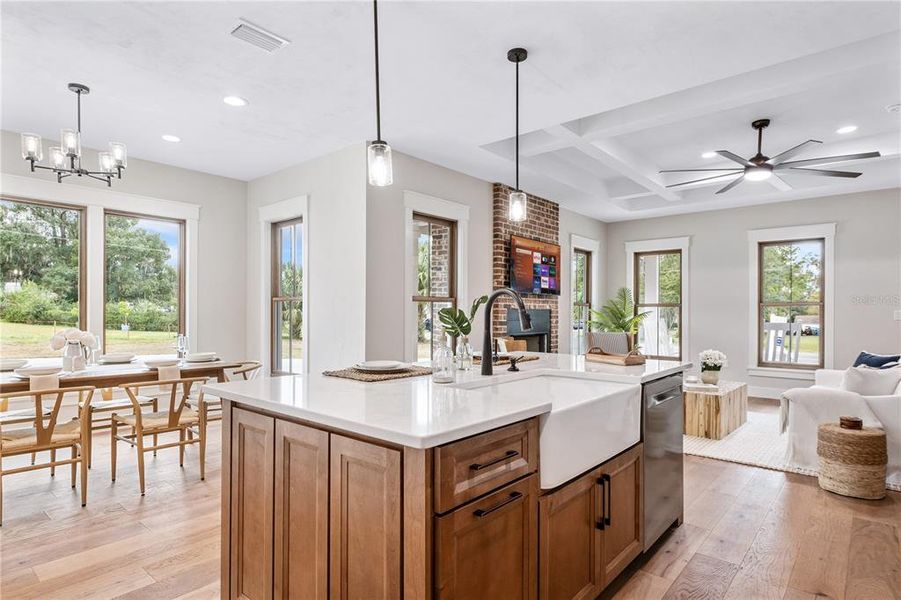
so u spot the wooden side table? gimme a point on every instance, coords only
(716, 412)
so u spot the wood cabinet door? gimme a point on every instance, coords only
(488, 548)
(301, 512)
(365, 518)
(569, 541)
(252, 472)
(622, 505)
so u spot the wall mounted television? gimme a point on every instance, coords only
(534, 266)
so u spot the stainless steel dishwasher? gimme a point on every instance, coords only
(661, 423)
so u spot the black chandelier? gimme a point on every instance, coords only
(65, 159)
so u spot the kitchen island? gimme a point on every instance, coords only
(407, 488)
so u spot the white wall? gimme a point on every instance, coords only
(867, 265)
(575, 224)
(386, 299)
(220, 261)
(335, 189)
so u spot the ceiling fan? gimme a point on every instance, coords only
(760, 167)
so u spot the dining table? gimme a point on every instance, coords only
(104, 376)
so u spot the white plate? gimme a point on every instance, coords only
(11, 364)
(115, 359)
(27, 372)
(155, 363)
(376, 366)
(201, 357)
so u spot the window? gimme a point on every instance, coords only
(658, 281)
(790, 330)
(434, 250)
(287, 297)
(41, 265)
(144, 281)
(581, 294)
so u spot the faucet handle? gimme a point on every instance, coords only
(513, 361)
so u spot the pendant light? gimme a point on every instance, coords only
(379, 152)
(518, 209)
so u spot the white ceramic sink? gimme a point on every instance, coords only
(590, 421)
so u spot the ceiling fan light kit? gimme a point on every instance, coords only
(761, 167)
(65, 159)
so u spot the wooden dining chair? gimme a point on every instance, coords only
(211, 405)
(46, 434)
(101, 406)
(178, 418)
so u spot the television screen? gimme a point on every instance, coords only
(534, 266)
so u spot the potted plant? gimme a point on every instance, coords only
(458, 325)
(618, 316)
(712, 362)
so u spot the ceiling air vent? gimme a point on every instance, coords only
(259, 37)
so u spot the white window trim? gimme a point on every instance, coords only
(780, 234)
(284, 210)
(676, 243)
(593, 247)
(95, 201)
(416, 202)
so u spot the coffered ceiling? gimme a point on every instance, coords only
(612, 92)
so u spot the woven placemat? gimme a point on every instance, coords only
(369, 377)
(477, 360)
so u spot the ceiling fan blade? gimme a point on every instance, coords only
(779, 183)
(700, 180)
(784, 156)
(696, 170)
(731, 185)
(825, 173)
(735, 157)
(826, 159)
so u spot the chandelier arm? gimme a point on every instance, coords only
(106, 179)
(54, 169)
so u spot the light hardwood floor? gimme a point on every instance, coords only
(749, 533)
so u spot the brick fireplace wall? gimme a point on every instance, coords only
(543, 224)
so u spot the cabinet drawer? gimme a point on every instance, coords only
(488, 549)
(474, 466)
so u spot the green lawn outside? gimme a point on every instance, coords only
(20, 340)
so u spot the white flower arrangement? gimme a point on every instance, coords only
(85, 339)
(712, 360)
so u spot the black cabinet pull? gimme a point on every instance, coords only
(601, 523)
(608, 504)
(514, 496)
(507, 456)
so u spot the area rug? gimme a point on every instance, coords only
(757, 443)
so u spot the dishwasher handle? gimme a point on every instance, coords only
(665, 396)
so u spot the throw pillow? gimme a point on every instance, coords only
(878, 361)
(867, 381)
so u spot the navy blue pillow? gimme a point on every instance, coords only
(877, 361)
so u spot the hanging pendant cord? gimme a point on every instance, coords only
(517, 126)
(759, 139)
(378, 110)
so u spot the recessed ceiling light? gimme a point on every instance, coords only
(235, 101)
(709, 154)
(846, 129)
(171, 138)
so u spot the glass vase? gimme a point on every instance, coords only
(464, 353)
(73, 357)
(443, 364)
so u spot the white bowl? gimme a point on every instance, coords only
(155, 363)
(11, 364)
(112, 359)
(377, 366)
(201, 357)
(27, 372)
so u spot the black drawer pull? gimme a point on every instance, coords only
(601, 524)
(507, 456)
(608, 504)
(514, 496)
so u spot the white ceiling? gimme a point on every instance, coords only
(612, 92)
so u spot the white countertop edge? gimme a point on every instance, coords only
(385, 435)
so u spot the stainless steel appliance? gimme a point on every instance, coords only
(661, 423)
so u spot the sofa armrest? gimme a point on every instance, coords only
(828, 377)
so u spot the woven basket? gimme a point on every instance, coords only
(852, 461)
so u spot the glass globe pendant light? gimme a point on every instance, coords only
(518, 210)
(378, 154)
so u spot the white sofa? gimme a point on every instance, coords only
(803, 409)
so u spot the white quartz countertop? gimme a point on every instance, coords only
(419, 413)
